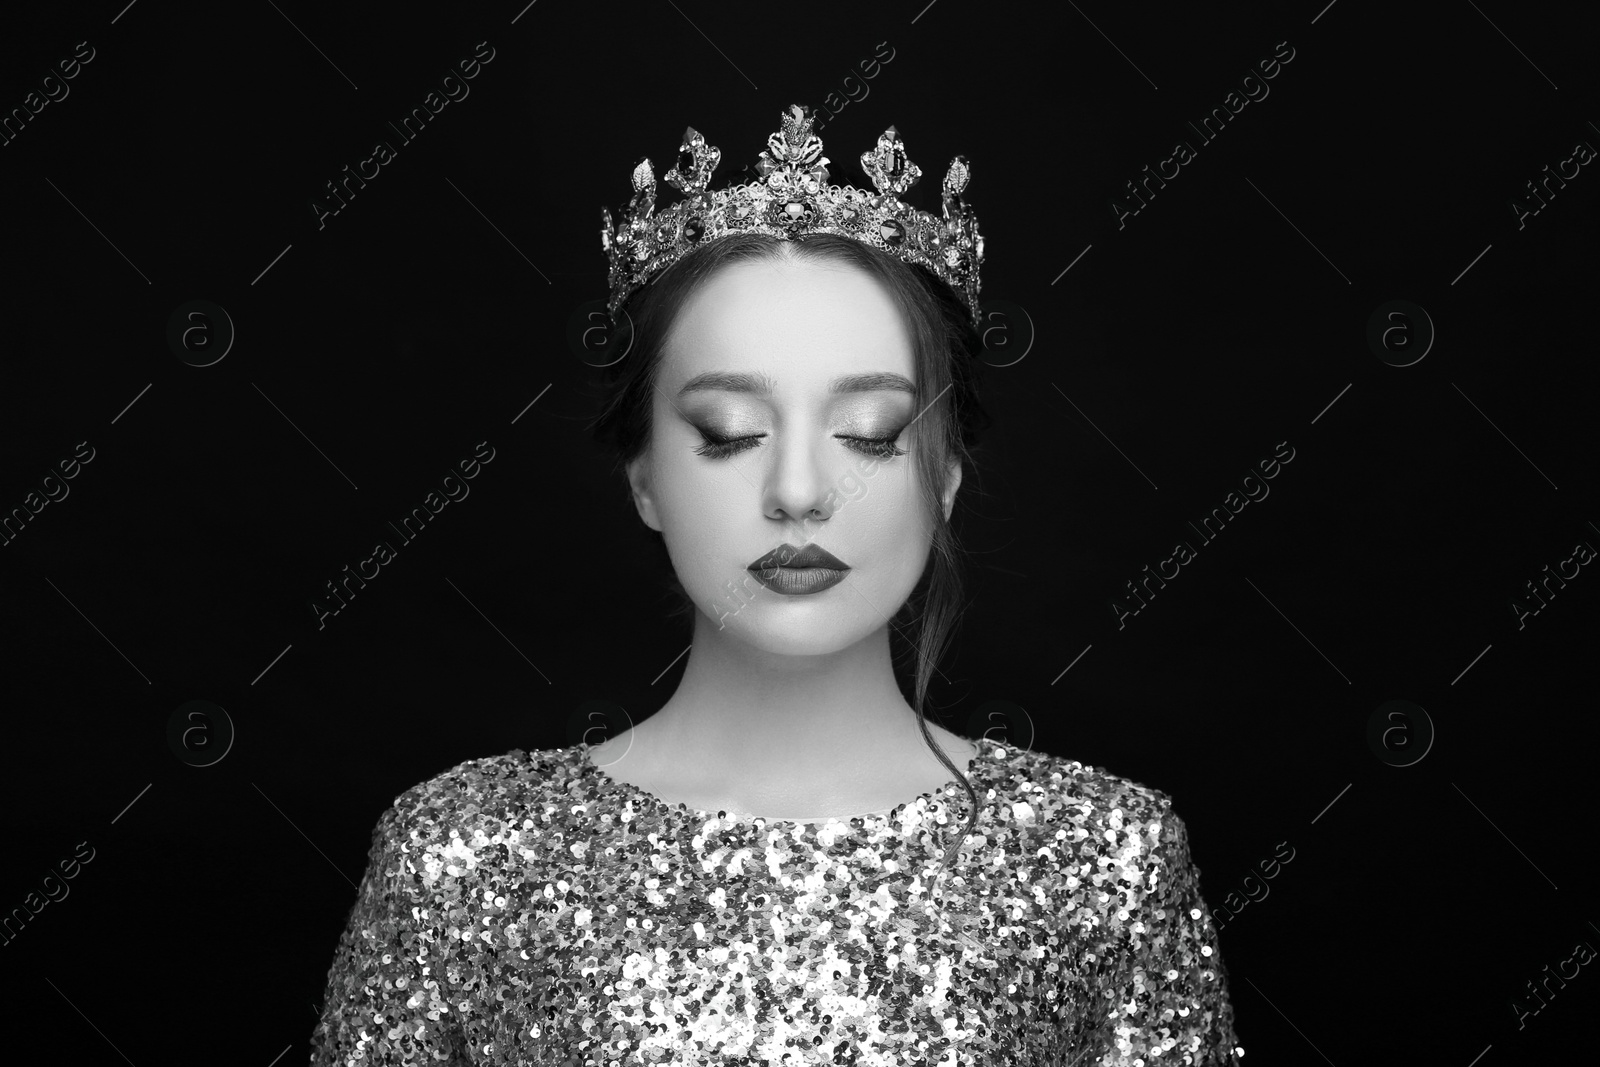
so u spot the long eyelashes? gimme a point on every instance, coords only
(717, 447)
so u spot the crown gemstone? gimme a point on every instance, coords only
(643, 174)
(693, 230)
(892, 231)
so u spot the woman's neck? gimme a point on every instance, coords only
(780, 730)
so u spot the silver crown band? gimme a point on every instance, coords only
(790, 199)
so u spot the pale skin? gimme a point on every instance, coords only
(788, 707)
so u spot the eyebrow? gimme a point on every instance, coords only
(763, 385)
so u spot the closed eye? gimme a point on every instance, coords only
(878, 447)
(719, 447)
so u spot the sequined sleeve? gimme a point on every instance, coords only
(383, 1004)
(1165, 993)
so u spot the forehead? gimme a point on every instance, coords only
(801, 322)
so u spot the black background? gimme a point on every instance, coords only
(1178, 351)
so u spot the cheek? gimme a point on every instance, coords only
(701, 503)
(886, 520)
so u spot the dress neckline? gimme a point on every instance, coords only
(984, 755)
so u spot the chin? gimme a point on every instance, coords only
(788, 627)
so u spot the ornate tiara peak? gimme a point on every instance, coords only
(790, 198)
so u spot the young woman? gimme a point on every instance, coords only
(787, 863)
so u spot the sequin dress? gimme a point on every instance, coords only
(530, 909)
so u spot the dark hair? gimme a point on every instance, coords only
(944, 345)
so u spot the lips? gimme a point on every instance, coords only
(789, 557)
(791, 571)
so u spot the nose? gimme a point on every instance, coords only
(797, 486)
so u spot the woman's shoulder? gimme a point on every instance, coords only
(487, 796)
(1058, 789)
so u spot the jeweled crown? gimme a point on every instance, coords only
(789, 199)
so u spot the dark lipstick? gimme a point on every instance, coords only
(791, 571)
